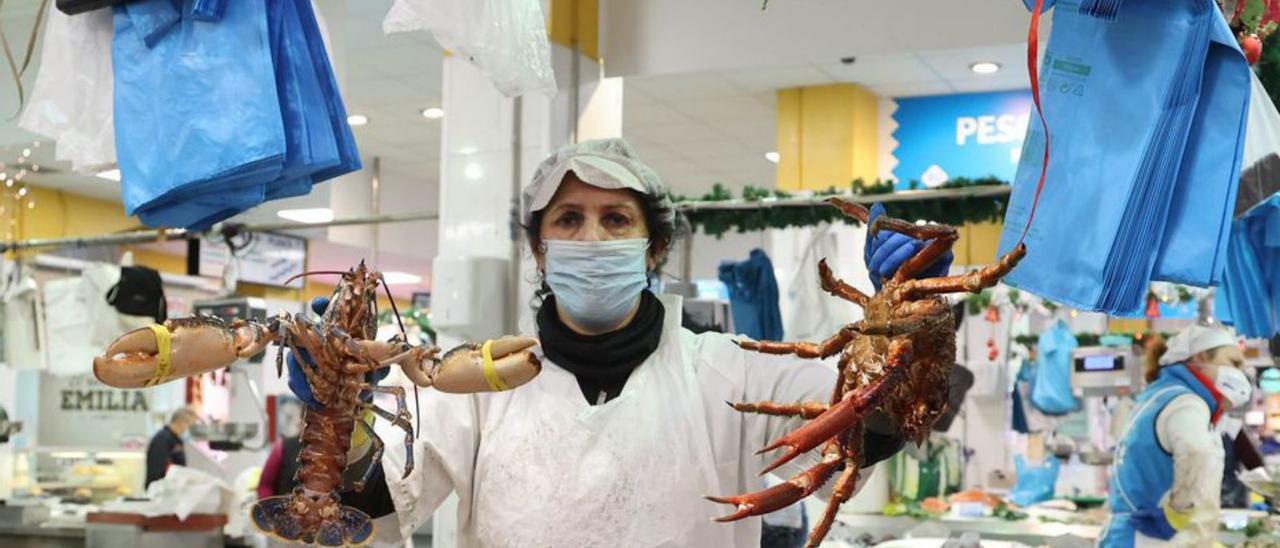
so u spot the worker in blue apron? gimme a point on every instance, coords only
(1168, 466)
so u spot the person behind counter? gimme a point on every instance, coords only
(165, 448)
(1165, 483)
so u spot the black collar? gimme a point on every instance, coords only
(602, 363)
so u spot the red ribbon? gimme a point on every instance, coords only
(1033, 46)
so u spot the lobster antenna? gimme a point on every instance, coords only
(313, 273)
(417, 408)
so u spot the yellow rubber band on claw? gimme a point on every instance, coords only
(491, 372)
(164, 351)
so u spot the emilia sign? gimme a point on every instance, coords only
(971, 135)
(104, 400)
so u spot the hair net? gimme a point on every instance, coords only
(602, 163)
(1196, 339)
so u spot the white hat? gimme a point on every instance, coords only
(602, 163)
(1196, 339)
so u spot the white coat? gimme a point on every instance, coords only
(538, 466)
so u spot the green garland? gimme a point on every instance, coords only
(948, 210)
(1088, 339)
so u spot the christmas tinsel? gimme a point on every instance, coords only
(948, 210)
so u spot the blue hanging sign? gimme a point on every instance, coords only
(969, 135)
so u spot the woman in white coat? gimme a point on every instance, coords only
(625, 431)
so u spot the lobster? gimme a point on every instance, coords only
(897, 359)
(344, 350)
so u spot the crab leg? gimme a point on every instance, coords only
(806, 410)
(786, 493)
(835, 286)
(850, 209)
(892, 327)
(825, 349)
(846, 484)
(940, 238)
(852, 408)
(972, 282)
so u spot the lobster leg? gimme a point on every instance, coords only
(786, 493)
(852, 407)
(378, 448)
(807, 410)
(972, 282)
(835, 286)
(400, 419)
(825, 349)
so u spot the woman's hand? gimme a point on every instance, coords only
(887, 250)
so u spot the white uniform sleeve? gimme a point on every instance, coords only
(444, 461)
(1183, 429)
(787, 379)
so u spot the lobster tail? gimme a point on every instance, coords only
(272, 516)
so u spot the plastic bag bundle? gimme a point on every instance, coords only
(1146, 102)
(1249, 297)
(505, 39)
(71, 100)
(1260, 171)
(223, 105)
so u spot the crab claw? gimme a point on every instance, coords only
(195, 346)
(463, 369)
(784, 494)
(852, 408)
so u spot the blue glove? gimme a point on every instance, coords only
(298, 379)
(1153, 523)
(887, 250)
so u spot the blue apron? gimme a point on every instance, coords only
(1143, 470)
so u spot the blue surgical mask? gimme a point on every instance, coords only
(597, 283)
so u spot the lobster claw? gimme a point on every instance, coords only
(179, 348)
(465, 369)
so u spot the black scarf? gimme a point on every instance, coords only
(602, 363)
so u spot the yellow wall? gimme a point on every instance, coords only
(826, 136)
(978, 243)
(572, 22)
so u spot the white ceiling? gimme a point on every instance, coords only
(698, 129)
(701, 115)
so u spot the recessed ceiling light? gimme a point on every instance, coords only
(110, 175)
(772, 156)
(985, 67)
(307, 215)
(356, 120)
(433, 113)
(473, 172)
(400, 278)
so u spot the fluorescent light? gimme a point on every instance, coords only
(69, 454)
(356, 120)
(309, 215)
(473, 172)
(772, 156)
(400, 278)
(468, 150)
(117, 455)
(433, 113)
(985, 67)
(110, 175)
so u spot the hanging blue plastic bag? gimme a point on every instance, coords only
(1249, 297)
(1051, 385)
(197, 112)
(1034, 484)
(349, 156)
(1193, 250)
(1116, 154)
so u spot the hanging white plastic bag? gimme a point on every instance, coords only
(1260, 170)
(505, 39)
(71, 101)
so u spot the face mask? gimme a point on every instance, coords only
(1234, 385)
(596, 283)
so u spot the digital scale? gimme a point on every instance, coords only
(1104, 371)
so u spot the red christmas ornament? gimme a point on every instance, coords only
(993, 314)
(1252, 46)
(1153, 307)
